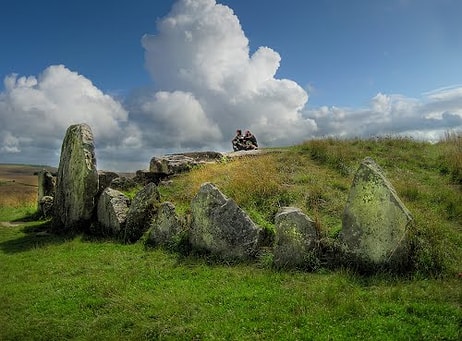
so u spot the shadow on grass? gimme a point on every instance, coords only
(35, 235)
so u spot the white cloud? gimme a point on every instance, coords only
(425, 118)
(36, 111)
(209, 85)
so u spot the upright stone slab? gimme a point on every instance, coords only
(375, 221)
(141, 212)
(166, 227)
(77, 180)
(221, 227)
(46, 184)
(297, 239)
(112, 212)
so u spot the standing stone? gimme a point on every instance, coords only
(375, 221)
(221, 227)
(112, 212)
(166, 226)
(297, 239)
(77, 180)
(142, 209)
(46, 184)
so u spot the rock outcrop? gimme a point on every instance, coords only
(178, 163)
(142, 209)
(77, 180)
(375, 221)
(297, 239)
(221, 227)
(112, 210)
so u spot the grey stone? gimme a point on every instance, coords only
(46, 206)
(221, 227)
(375, 221)
(46, 185)
(77, 180)
(105, 178)
(166, 226)
(297, 239)
(178, 163)
(142, 210)
(112, 212)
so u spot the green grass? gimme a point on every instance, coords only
(56, 288)
(81, 288)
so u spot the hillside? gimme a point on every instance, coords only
(316, 177)
(57, 287)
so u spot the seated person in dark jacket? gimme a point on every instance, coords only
(250, 141)
(238, 141)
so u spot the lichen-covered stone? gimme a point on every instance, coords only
(375, 221)
(77, 180)
(142, 209)
(166, 226)
(297, 239)
(221, 227)
(112, 212)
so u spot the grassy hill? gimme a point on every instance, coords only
(62, 287)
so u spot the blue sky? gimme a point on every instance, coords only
(289, 71)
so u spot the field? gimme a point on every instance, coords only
(58, 287)
(18, 184)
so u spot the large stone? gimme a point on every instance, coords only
(375, 221)
(112, 212)
(46, 184)
(297, 239)
(221, 227)
(77, 180)
(166, 227)
(142, 210)
(177, 163)
(105, 178)
(45, 207)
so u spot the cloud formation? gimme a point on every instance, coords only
(210, 84)
(207, 83)
(36, 111)
(427, 118)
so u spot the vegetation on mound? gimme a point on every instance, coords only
(316, 176)
(56, 287)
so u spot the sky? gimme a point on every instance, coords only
(156, 77)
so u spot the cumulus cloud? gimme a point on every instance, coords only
(207, 84)
(36, 111)
(427, 117)
(210, 85)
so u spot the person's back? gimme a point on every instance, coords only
(238, 141)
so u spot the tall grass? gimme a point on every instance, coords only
(452, 144)
(56, 287)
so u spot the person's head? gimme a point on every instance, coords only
(239, 132)
(248, 133)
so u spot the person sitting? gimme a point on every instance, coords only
(250, 141)
(238, 141)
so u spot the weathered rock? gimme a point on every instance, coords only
(297, 239)
(166, 226)
(112, 212)
(77, 180)
(177, 163)
(105, 178)
(45, 207)
(123, 183)
(46, 185)
(375, 221)
(142, 210)
(221, 227)
(143, 177)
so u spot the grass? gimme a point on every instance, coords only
(84, 288)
